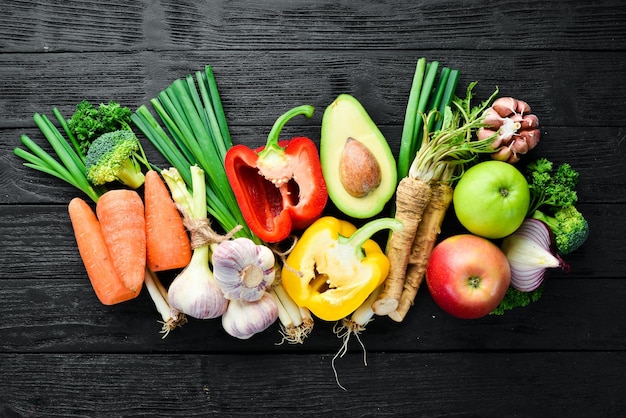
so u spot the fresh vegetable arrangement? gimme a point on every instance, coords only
(215, 223)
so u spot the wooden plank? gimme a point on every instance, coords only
(60, 315)
(91, 25)
(564, 88)
(428, 384)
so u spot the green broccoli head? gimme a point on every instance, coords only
(115, 156)
(569, 226)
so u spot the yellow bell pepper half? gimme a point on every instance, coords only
(334, 267)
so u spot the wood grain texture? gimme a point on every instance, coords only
(518, 384)
(64, 354)
(70, 319)
(89, 25)
(567, 88)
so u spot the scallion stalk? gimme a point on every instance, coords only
(436, 98)
(431, 89)
(70, 166)
(448, 95)
(195, 133)
(422, 108)
(406, 144)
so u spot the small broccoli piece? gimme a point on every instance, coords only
(551, 188)
(514, 298)
(116, 156)
(569, 226)
(89, 122)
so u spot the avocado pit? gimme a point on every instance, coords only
(359, 170)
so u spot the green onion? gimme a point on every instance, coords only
(427, 93)
(70, 166)
(406, 144)
(195, 132)
(423, 109)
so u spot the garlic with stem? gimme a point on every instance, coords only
(243, 319)
(194, 291)
(243, 269)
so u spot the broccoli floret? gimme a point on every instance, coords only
(89, 122)
(551, 188)
(116, 156)
(514, 298)
(569, 226)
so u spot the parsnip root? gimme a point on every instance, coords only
(425, 239)
(412, 197)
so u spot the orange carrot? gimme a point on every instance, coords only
(95, 255)
(425, 238)
(412, 196)
(121, 216)
(167, 243)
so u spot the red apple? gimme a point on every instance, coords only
(467, 276)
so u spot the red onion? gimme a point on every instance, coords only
(530, 254)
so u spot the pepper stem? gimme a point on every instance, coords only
(365, 232)
(272, 138)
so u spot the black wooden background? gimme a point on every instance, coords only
(64, 354)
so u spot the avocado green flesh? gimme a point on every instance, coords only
(346, 118)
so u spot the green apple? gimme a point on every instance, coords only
(491, 199)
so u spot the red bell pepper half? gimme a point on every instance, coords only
(279, 187)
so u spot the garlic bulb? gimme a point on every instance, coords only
(244, 319)
(243, 269)
(195, 292)
(517, 129)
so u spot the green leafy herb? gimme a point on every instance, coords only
(69, 165)
(515, 298)
(89, 122)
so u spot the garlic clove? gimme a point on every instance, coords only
(491, 118)
(505, 154)
(522, 107)
(530, 122)
(484, 133)
(505, 106)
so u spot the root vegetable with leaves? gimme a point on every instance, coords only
(67, 163)
(440, 160)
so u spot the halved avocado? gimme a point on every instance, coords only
(357, 163)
